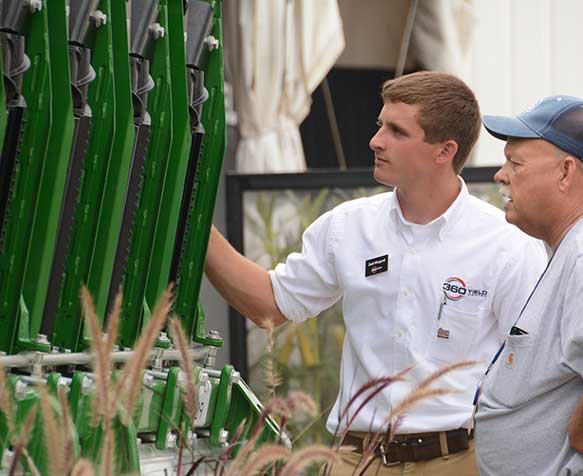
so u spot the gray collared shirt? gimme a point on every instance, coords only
(534, 386)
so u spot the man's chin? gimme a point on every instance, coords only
(514, 219)
(383, 178)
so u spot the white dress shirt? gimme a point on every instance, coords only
(468, 267)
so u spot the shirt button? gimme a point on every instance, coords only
(405, 292)
(413, 251)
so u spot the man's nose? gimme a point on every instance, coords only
(375, 142)
(501, 176)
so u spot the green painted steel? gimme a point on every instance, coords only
(99, 209)
(3, 112)
(137, 310)
(245, 406)
(222, 405)
(177, 161)
(54, 172)
(165, 207)
(160, 413)
(171, 408)
(121, 155)
(32, 211)
(208, 177)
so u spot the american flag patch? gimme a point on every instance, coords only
(442, 333)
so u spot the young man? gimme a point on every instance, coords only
(428, 275)
(530, 413)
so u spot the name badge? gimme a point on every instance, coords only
(376, 265)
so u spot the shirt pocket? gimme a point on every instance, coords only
(508, 381)
(453, 335)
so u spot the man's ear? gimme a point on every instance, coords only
(447, 152)
(570, 170)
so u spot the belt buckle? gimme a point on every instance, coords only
(385, 456)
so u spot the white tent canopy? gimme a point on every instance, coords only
(278, 53)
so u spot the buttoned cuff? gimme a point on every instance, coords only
(287, 305)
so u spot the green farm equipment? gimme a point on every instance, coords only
(112, 132)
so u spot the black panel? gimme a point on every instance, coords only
(357, 103)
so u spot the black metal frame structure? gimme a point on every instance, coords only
(238, 184)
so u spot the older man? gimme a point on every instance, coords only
(530, 411)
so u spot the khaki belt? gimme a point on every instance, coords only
(415, 446)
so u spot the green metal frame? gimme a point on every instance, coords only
(99, 211)
(177, 162)
(209, 172)
(30, 233)
(136, 310)
(33, 209)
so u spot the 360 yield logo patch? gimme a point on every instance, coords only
(455, 289)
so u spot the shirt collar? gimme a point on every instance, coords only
(442, 223)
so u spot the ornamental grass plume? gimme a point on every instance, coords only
(20, 444)
(83, 467)
(67, 426)
(53, 437)
(271, 376)
(97, 346)
(130, 382)
(307, 456)
(6, 402)
(189, 387)
(267, 455)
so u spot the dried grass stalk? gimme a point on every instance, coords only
(33, 469)
(6, 401)
(267, 454)
(53, 440)
(298, 401)
(83, 468)
(67, 426)
(20, 442)
(130, 382)
(446, 370)
(271, 377)
(107, 468)
(101, 357)
(307, 456)
(190, 390)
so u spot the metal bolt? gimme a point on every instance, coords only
(41, 339)
(98, 18)
(191, 439)
(35, 5)
(223, 437)
(148, 379)
(213, 335)
(157, 31)
(170, 440)
(235, 377)
(211, 42)
(163, 337)
(20, 389)
(203, 379)
(86, 385)
(210, 361)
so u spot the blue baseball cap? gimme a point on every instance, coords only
(556, 119)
